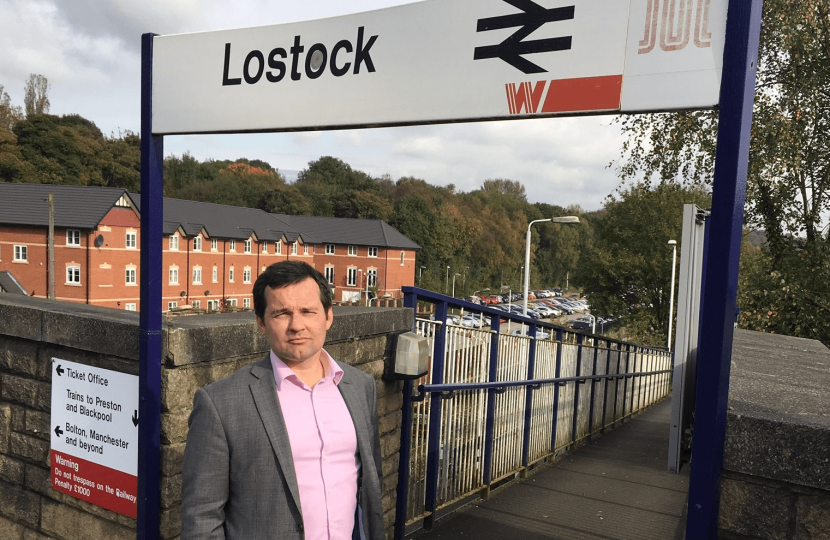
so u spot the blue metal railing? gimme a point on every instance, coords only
(494, 405)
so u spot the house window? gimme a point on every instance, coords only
(294, 248)
(329, 249)
(129, 307)
(351, 277)
(197, 276)
(246, 302)
(232, 245)
(21, 253)
(174, 242)
(73, 275)
(172, 305)
(230, 274)
(373, 252)
(129, 276)
(329, 273)
(73, 237)
(352, 251)
(215, 276)
(173, 276)
(265, 247)
(278, 248)
(246, 275)
(196, 304)
(248, 245)
(372, 278)
(403, 258)
(213, 305)
(214, 244)
(305, 249)
(232, 302)
(197, 243)
(131, 240)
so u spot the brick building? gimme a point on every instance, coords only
(212, 253)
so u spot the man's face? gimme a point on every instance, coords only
(295, 322)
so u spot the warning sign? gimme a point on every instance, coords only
(94, 453)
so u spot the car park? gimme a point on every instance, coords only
(540, 334)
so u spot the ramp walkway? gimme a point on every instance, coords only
(613, 487)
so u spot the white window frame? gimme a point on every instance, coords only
(294, 248)
(173, 244)
(73, 237)
(352, 251)
(197, 275)
(248, 245)
(246, 303)
(173, 275)
(213, 305)
(403, 258)
(305, 249)
(214, 244)
(372, 277)
(232, 302)
(130, 276)
(329, 273)
(331, 249)
(232, 245)
(197, 243)
(230, 274)
(278, 247)
(246, 275)
(215, 276)
(131, 240)
(172, 305)
(351, 277)
(130, 307)
(21, 253)
(73, 275)
(373, 252)
(265, 246)
(196, 304)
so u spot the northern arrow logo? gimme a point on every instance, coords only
(135, 418)
(59, 369)
(513, 49)
(58, 431)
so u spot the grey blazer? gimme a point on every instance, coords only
(238, 480)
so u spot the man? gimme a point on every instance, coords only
(287, 447)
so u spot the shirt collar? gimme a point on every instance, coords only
(281, 371)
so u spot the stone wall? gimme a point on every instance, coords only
(197, 351)
(776, 478)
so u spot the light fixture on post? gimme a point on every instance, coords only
(420, 271)
(564, 219)
(453, 283)
(673, 244)
(447, 284)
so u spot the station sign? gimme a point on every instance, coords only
(441, 61)
(94, 450)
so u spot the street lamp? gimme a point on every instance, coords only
(673, 244)
(447, 283)
(420, 271)
(564, 219)
(464, 280)
(453, 283)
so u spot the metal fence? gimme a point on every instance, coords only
(494, 404)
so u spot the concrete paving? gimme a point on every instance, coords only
(614, 487)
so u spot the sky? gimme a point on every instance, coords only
(89, 50)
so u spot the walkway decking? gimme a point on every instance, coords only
(614, 487)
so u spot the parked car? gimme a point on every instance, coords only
(540, 334)
(470, 321)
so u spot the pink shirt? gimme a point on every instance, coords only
(324, 447)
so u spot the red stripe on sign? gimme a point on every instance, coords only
(588, 94)
(94, 483)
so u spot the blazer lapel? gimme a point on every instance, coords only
(264, 392)
(358, 409)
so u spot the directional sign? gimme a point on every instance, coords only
(443, 61)
(95, 435)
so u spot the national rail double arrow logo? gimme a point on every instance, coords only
(512, 49)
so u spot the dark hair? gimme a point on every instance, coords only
(286, 273)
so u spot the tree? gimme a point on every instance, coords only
(9, 114)
(36, 95)
(507, 187)
(627, 271)
(788, 182)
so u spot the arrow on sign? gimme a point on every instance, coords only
(135, 418)
(59, 369)
(58, 431)
(512, 49)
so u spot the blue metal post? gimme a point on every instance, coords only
(490, 420)
(593, 388)
(740, 60)
(149, 344)
(434, 442)
(531, 368)
(560, 335)
(411, 301)
(580, 343)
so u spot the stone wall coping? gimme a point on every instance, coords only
(778, 422)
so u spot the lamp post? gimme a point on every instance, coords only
(564, 219)
(673, 244)
(447, 283)
(420, 271)
(453, 283)
(464, 280)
